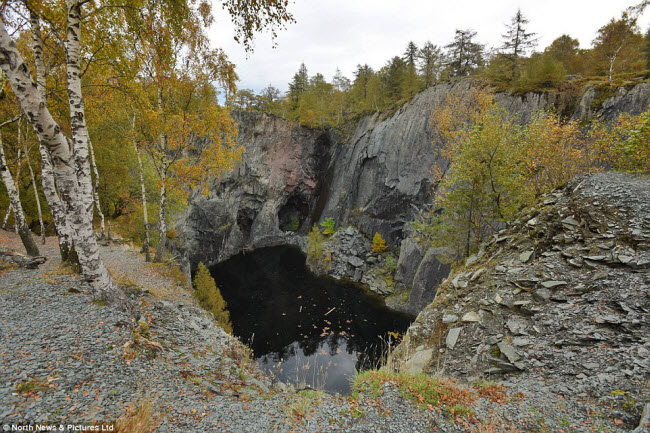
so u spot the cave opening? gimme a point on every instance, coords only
(245, 218)
(293, 214)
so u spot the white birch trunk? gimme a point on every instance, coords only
(162, 225)
(36, 197)
(19, 215)
(162, 212)
(50, 135)
(145, 245)
(98, 206)
(19, 164)
(63, 230)
(78, 128)
(5, 220)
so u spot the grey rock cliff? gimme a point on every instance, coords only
(292, 177)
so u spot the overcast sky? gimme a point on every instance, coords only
(343, 33)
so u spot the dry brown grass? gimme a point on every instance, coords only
(138, 419)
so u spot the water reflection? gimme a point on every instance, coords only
(302, 328)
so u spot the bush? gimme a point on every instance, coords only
(210, 299)
(378, 244)
(625, 145)
(317, 258)
(328, 226)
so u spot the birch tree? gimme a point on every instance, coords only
(19, 215)
(618, 46)
(63, 229)
(74, 196)
(37, 199)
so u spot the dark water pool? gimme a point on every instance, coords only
(302, 328)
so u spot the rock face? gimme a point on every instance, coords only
(561, 298)
(267, 199)
(375, 179)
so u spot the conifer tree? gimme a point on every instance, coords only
(464, 54)
(517, 41)
(210, 299)
(411, 54)
(299, 84)
(430, 63)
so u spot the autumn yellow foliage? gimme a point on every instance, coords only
(492, 165)
(378, 244)
(209, 297)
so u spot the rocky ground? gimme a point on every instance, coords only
(65, 358)
(556, 306)
(546, 330)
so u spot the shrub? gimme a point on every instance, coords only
(378, 244)
(625, 145)
(209, 297)
(328, 226)
(317, 258)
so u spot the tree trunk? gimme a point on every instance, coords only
(95, 188)
(37, 47)
(162, 226)
(162, 213)
(145, 245)
(6, 218)
(19, 215)
(63, 230)
(78, 127)
(36, 197)
(50, 135)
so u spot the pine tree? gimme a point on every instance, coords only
(299, 84)
(517, 41)
(464, 54)
(210, 299)
(411, 54)
(430, 63)
(392, 77)
(340, 82)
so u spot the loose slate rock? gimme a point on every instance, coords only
(452, 337)
(553, 283)
(509, 352)
(472, 316)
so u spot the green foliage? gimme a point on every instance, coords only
(329, 226)
(317, 257)
(378, 244)
(210, 299)
(294, 224)
(541, 71)
(390, 263)
(497, 167)
(424, 391)
(625, 145)
(618, 47)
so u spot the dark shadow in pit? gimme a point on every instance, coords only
(303, 328)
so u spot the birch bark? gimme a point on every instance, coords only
(78, 127)
(63, 231)
(98, 206)
(145, 245)
(36, 197)
(19, 215)
(49, 133)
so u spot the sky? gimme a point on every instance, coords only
(343, 33)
